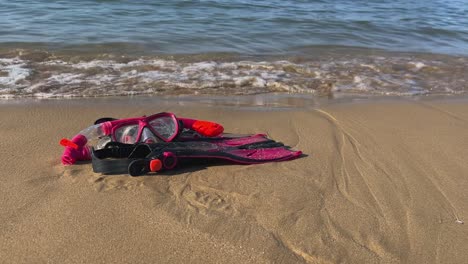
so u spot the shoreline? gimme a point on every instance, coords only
(38, 74)
(261, 102)
(383, 181)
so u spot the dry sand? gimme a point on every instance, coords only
(382, 181)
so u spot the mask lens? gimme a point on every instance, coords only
(127, 134)
(165, 126)
(148, 137)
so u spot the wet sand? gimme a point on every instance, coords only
(383, 181)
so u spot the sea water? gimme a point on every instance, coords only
(101, 48)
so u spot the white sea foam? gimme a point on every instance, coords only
(418, 65)
(99, 64)
(378, 75)
(65, 78)
(15, 71)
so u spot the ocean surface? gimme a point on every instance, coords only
(105, 48)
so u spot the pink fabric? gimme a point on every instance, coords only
(71, 155)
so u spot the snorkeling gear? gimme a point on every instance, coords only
(159, 142)
(141, 158)
(161, 127)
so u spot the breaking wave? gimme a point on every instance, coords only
(48, 75)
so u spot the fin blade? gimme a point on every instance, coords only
(263, 155)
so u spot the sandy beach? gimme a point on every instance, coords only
(382, 181)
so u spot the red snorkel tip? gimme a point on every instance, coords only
(68, 143)
(155, 165)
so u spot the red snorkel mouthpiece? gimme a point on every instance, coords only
(68, 143)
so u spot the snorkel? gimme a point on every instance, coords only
(161, 127)
(77, 148)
